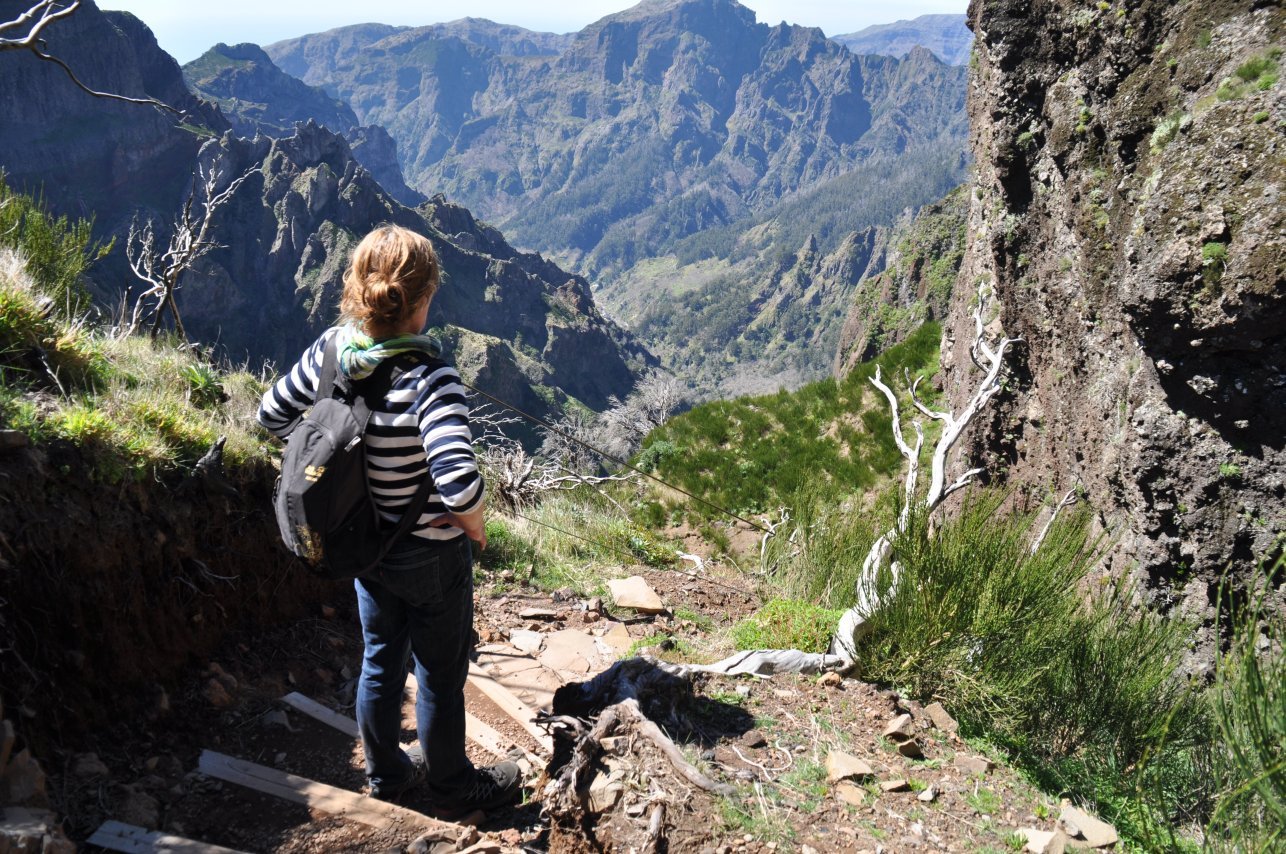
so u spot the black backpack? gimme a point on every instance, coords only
(323, 501)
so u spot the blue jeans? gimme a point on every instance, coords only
(417, 603)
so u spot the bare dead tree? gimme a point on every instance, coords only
(161, 269)
(569, 445)
(24, 33)
(989, 357)
(623, 427)
(519, 480)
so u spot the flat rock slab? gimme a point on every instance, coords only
(941, 719)
(1085, 830)
(850, 794)
(538, 614)
(900, 728)
(973, 764)
(1043, 841)
(617, 637)
(572, 654)
(634, 592)
(845, 766)
(527, 678)
(527, 641)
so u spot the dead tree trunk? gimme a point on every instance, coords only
(160, 270)
(989, 357)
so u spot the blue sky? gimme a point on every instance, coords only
(186, 30)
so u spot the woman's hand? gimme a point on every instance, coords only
(472, 525)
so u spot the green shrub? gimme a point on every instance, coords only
(1250, 713)
(57, 250)
(787, 624)
(1030, 650)
(756, 453)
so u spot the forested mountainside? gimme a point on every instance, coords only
(520, 323)
(751, 307)
(1128, 211)
(651, 124)
(947, 36)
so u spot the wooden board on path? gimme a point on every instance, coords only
(510, 705)
(475, 730)
(319, 796)
(318, 712)
(118, 836)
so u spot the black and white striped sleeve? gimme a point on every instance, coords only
(285, 403)
(443, 417)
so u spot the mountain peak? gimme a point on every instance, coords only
(244, 52)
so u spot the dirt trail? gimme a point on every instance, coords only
(770, 740)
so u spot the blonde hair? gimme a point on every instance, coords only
(392, 271)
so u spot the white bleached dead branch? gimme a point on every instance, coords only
(770, 531)
(518, 480)
(1068, 500)
(160, 269)
(25, 33)
(987, 355)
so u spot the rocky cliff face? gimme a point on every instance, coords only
(651, 124)
(260, 98)
(257, 96)
(90, 155)
(1130, 169)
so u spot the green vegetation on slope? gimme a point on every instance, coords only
(56, 251)
(754, 453)
(134, 407)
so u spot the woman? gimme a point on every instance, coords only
(419, 600)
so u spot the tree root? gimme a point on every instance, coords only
(587, 774)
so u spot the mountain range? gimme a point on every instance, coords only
(948, 36)
(676, 130)
(517, 324)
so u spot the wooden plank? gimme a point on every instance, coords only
(318, 712)
(510, 705)
(118, 836)
(319, 796)
(482, 733)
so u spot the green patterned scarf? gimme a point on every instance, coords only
(360, 354)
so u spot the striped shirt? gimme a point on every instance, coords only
(420, 429)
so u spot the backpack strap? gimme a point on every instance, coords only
(372, 390)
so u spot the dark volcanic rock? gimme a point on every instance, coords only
(376, 150)
(1130, 168)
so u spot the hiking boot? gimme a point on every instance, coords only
(391, 792)
(491, 786)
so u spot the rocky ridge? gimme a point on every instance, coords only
(257, 97)
(273, 282)
(1128, 212)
